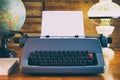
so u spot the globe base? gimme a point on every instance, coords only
(6, 53)
(4, 50)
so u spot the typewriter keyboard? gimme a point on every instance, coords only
(62, 58)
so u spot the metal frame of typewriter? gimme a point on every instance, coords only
(90, 44)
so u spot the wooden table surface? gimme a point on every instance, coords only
(113, 73)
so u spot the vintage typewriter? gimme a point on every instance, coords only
(62, 55)
(78, 55)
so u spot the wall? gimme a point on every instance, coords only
(34, 8)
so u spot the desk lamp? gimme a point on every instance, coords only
(105, 10)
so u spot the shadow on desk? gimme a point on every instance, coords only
(62, 75)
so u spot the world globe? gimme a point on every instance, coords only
(12, 18)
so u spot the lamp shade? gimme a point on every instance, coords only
(104, 9)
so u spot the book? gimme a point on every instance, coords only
(7, 65)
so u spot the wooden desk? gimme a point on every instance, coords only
(112, 74)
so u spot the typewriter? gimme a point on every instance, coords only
(62, 56)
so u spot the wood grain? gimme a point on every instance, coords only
(34, 10)
(111, 74)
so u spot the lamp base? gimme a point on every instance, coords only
(108, 53)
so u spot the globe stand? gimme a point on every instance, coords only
(4, 51)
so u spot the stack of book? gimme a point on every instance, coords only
(7, 65)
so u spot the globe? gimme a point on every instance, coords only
(12, 18)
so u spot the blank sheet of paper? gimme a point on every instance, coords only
(62, 23)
